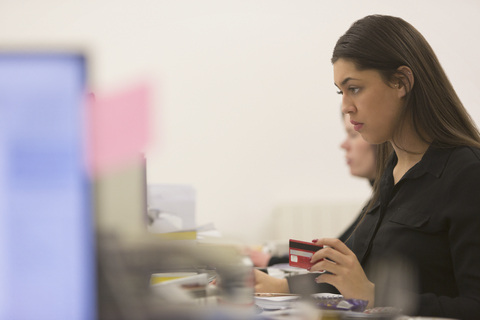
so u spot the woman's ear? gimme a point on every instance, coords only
(404, 80)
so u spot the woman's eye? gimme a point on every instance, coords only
(354, 90)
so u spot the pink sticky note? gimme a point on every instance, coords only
(118, 128)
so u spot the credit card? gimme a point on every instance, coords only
(300, 253)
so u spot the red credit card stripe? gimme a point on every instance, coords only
(307, 254)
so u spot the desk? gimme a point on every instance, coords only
(124, 285)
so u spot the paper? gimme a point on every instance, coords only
(171, 208)
(185, 279)
(199, 233)
(118, 128)
(168, 276)
(275, 302)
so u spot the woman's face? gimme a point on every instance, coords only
(360, 155)
(372, 105)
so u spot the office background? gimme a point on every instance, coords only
(245, 109)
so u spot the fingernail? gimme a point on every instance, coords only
(314, 240)
(317, 279)
(309, 268)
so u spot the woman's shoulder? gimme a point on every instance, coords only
(466, 153)
(463, 163)
(438, 158)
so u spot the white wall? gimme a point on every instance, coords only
(245, 106)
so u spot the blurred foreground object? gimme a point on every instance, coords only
(125, 273)
(46, 225)
(118, 128)
(396, 280)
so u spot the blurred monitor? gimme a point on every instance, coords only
(47, 261)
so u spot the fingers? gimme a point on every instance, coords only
(334, 243)
(327, 253)
(334, 249)
(326, 278)
(331, 279)
(326, 265)
(331, 247)
(345, 271)
(330, 258)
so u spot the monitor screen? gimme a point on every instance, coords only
(47, 267)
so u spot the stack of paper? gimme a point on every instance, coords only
(275, 301)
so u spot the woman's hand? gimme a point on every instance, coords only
(268, 284)
(347, 273)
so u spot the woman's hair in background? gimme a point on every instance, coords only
(385, 43)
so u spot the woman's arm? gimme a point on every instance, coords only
(268, 284)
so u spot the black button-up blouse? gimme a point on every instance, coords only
(430, 221)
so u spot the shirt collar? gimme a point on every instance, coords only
(433, 161)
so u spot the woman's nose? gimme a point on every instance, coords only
(347, 105)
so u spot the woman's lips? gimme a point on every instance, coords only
(356, 125)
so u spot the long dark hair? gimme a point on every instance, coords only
(385, 43)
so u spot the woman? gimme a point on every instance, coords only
(426, 205)
(359, 154)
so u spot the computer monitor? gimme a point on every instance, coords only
(47, 252)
